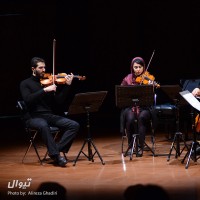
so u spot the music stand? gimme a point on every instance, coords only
(196, 105)
(126, 95)
(171, 94)
(87, 103)
(129, 96)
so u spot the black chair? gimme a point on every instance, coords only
(166, 118)
(32, 133)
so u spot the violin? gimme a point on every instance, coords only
(147, 79)
(48, 79)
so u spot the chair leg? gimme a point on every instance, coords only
(27, 150)
(65, 156)
(32, 143)
(149, 148)
(153, 140)
(123, 140)
(37, 153)
(152, 147)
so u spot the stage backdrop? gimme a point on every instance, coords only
(97, 39)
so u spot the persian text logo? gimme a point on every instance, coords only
(20, 184)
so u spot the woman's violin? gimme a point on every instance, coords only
(60, 78)
(147, 79)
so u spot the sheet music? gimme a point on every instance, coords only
(190, 99)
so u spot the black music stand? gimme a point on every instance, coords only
(87, 103)
(125, 95)
(195, 105)
(171, 94)
(138, 95)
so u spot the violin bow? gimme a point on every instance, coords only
(150, 60)
(148, 65)
(54, 48)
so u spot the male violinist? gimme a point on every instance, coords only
(40, 101)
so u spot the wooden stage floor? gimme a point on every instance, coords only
(92, 180)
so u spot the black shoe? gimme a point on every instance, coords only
(139, 153)
(197, 150)
(61, 161)
(129, 153)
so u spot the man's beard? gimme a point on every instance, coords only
(39, 74)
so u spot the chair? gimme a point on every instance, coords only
(166, 107)
(32, 133)
(166, 117)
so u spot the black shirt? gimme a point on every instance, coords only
(37, 100)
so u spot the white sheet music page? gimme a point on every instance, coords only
(190, 99)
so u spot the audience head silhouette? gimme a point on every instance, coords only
(143, 192)
(55, 191)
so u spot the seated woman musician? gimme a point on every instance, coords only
(144, 114)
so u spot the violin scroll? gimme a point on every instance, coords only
(80, 78)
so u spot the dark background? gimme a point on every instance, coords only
(98, 39)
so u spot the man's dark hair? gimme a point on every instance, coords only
(35, 61)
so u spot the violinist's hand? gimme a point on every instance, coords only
(196, 92)
(50, 88)
(69, 79)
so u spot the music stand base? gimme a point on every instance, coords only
(189, 154)
(176, 145)
(134, 147)
(87, 103)
(90, 155)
